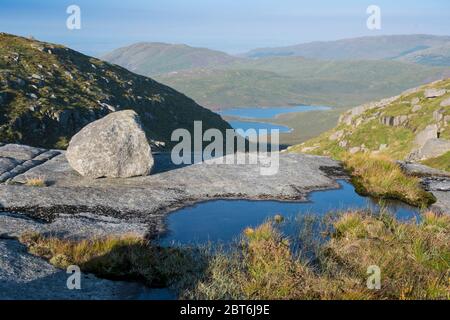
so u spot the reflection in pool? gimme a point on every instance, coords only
(224, 220)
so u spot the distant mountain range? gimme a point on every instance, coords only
(293, 80)
(397, 47)
(155, 58)
(434, 56)
(337, 73)
(49, 92)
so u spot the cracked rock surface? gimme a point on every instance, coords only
(149, 198)
(435, 181)
(75, 207)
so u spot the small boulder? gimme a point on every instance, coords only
(115, 146)
(415, 101)
(432, 148)
(416, 108)
(430, 132)
(336, 135)
(434, 93)
(438, 115)
(445, 103)
(354, 150)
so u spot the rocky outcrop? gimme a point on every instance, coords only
(427, 144)
(430, 132)
(420, 170)
(434, 93)
(416, 108)
(394, 121)
(75, 226)
(115, 146)
(431, 149)
(445, 103)
(435, 181)
(337, 135)
(17, 159)
(350, 115)
(354, 150)
(415, 101)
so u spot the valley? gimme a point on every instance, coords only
(293, 131)
(340, 74)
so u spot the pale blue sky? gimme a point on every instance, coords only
(229, 25)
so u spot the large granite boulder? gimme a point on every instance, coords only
(114, 146)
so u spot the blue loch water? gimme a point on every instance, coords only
(268, 112)
(245, 125)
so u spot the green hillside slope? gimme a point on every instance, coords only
(364, 48)
(295, 80)
(414, 125)
(155, 58)
(49, 92)
(435, 56)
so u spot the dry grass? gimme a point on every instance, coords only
(35, 182)
(128, 257)
(414, 261)
(414, 258)
(382, 178)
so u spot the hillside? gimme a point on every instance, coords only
(364, 48)
(295, 80)
(49, 92)
(155, 58)
(413, 126)
(435, 56)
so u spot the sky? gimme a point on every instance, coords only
(233, 26)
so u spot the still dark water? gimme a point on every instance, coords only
(222, 221)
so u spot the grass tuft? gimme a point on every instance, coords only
(36, 182)
(414, 259)
(127, 257)
(382, 178)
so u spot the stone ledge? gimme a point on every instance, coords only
(147, 198)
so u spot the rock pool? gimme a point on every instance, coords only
(224, 220)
